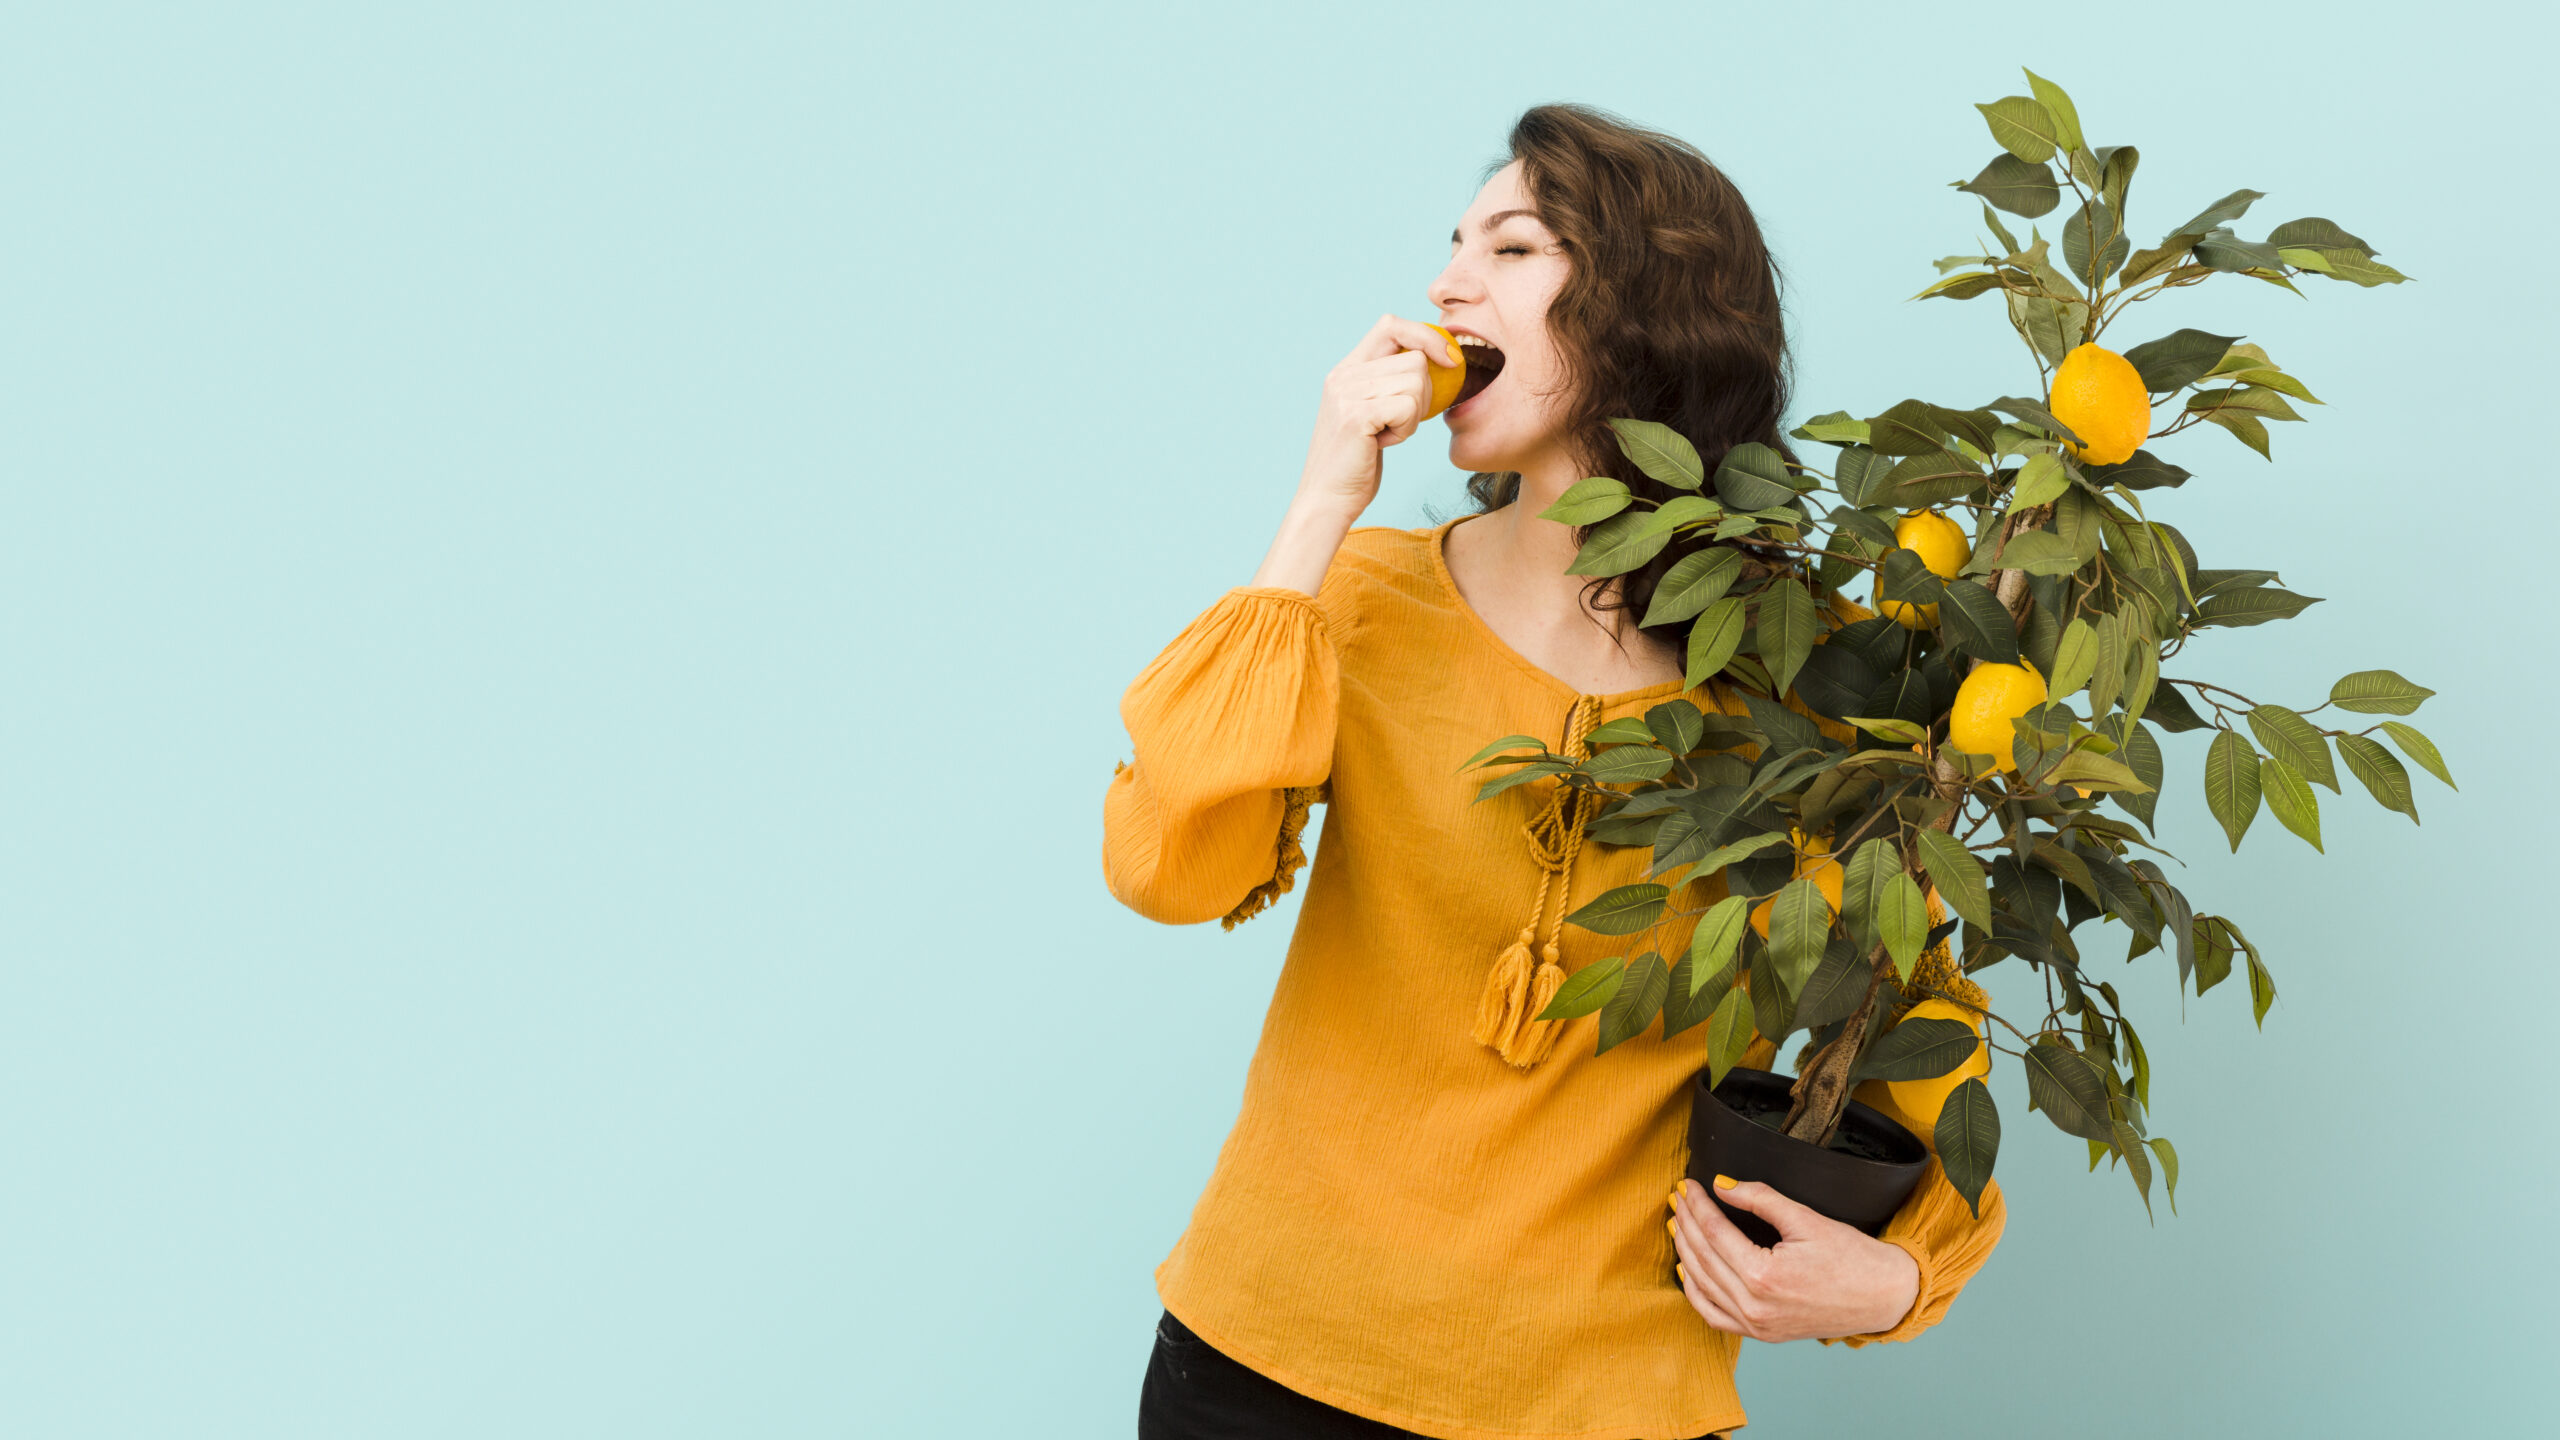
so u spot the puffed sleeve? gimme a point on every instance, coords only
(1232, 729)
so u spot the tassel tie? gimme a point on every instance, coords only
(1517, 988)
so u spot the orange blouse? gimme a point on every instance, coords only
(1404, 1224)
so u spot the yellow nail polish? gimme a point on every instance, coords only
(1671, 1225)
(1680, 1270)
(1726, 1182)
(1674, 1201)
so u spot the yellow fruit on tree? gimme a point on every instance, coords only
(2099, 394)
(1446, 380)
(1921, 1100)
(1989, 698)
(1940, 544)
(1811, 864)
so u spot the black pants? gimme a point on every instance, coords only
(1194, 1392)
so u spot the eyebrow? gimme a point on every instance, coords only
(1496, 218)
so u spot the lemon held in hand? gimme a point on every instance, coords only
(1447, 380)
(1940, 544)
(1989, 698)
(2099, 394)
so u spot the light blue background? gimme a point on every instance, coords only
(568, 572)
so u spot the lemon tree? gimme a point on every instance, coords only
(1985, 746)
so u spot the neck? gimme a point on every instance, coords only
(1531, 554)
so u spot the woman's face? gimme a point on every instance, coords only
(1504, 266)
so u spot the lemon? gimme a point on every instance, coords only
(1811, 864)
(1921, 1100)
(1991, 697)
(1941, 546)
(1446, 380)
(2099, 394)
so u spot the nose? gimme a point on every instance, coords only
(1456, 284)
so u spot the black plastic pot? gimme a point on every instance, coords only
(1848, 1188)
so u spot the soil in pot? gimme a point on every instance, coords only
(1769, 1115)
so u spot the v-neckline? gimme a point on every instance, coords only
(1440, 567)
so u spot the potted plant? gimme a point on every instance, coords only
(1986, 741)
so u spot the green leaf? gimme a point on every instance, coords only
(2231, 784)
(1959, 877)
(2041, 479)
(2378, 692)
(2253, 607)
(2224, 251)
(1909, 428)
(2065, 115)
(1589, 502)
(2247, 428)
(2314, 231)
(1885, 727)
(1859, 472)
(2065, 1085)
(2008, 242)
(2381, 773)
(1507, 742)
(2127, 1143)
(1628, 764)
(2093, 243)
(1621, 543)
(1862, 887)
(2106, 681)
(2290, 799)
(1976, 620)
(1773, 1008)
(1622, 911)
(2096, 772)
(1753, 477)
(2023, 127)
(2214, 949)
(2035, 414)
(2355, 268)
(1714, 639)
(1718, 937)
(1661, 452)
(2178, 358)
(1968, 1140)
(2168, 1169)
(2221, 212)
(1586, 989)
(2257, 400)
(1838, 986)
(1677, 725)
(1918, 1049)
(1835, 428)
(1635, 1002)
(1799, 924)
(1534, 770)
(1903, 918)
(2262, 989)
(1625, 730)
(1692, 584)
(1788, 628)
(1960, 287)
(2075, 659)
(2141, 755)
(1728, 1035)
(2038, 552)
(2295, 741)
(1724, 855)
(2419, 748)
(2016, 185)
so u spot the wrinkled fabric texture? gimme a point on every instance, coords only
(1403, 1224)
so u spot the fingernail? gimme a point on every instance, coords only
(1680, 1270)
(1726, 1182)
(1674, 1201)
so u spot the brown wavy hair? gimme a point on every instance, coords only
(1669, 312)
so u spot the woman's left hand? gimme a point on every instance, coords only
(1824, 1279)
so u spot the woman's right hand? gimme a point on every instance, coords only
(1374, 398)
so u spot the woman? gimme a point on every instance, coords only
(1438, 1214)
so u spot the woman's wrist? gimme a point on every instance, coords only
(1303, 550)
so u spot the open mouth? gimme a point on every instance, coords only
(1484, 366)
